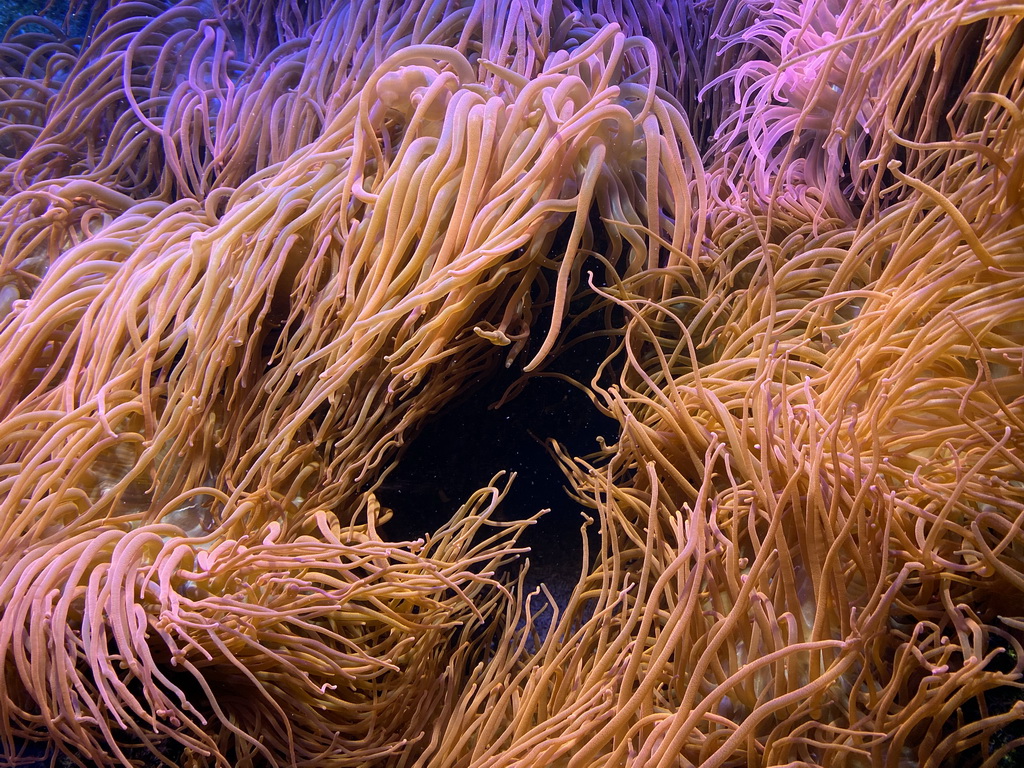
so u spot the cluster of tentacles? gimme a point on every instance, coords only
(248, 248)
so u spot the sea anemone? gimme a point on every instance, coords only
(249, 250)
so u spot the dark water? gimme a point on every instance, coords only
(461, 448)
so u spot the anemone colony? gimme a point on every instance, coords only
(249, 247)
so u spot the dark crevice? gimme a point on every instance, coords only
(469, 441)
